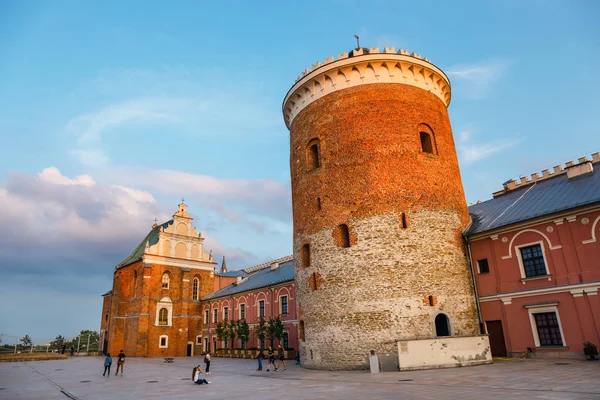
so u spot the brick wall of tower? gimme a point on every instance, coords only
(372, 171)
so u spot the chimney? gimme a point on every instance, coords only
(275, 265)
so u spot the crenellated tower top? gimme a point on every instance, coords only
(364, 66)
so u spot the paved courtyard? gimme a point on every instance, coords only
(81, 378)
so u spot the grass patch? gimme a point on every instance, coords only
(32, 357)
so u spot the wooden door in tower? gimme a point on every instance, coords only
(497, 342)
(189, 349)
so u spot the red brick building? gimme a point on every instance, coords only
(156, 307)
(535, 250)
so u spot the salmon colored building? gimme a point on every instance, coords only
(535, 250)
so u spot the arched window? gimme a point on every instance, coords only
(163, 317)
(442, 325)
(344, 235)
(165, 281)
(306, 255)
(313, 154)
(426, 144)
(195, 287)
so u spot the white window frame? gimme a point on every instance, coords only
(164, 302)
(162, 281)
(281, 304)
(245, 311)
(199, 340)
(479, 269)
(160, 338)
(544, 308)
(264, 308)
(215, 315)
(520, 260)
(196, 296)
(226, 313)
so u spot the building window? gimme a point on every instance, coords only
(442, 326)
(483, 266)
(318, 204)
(313, 281)
(426, 145)
(286, 340)
(165, 281)
(242, 311)
(306, 255)
(284, 304)
(548, 329)
(533, 261)
(261, 308)
(163, 341)
(163, 317)
(206, 316)
(344, 235)
(215, 315)
(195, 287)
(226, 314)
(199, 340)
(404, 221)
(313, 160)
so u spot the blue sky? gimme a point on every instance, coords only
(110, 112)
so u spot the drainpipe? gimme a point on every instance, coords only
(481, 327)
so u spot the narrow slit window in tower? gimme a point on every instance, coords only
(318, 204)
(404, 222)
(306, 255)
(345, 235)
(426, 145)
(313, 159)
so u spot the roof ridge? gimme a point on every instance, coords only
(132, 257)
(268, 264)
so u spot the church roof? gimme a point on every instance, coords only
(261, 278)
(231, 273)
(151, 238)
(541, 198)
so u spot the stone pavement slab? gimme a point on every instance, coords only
(81, 378)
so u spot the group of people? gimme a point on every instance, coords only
(108, 363)
(260, 355)
(64, 347)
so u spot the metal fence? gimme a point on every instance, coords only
(80, 344)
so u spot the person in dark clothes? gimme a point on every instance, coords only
(259, 356)
(271, 354)
(107, 364)
(64, 347)
(281, 358)
(72, 350)
(207, 362)
(197, 376)
(120, 362)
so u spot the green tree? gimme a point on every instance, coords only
(261, 328)
(231, 330)
(221, 331)
(243, 331)
(275, 329)
(57, 342)
(26, 341)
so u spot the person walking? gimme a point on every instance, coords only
(259, 356)
(107, 364)
(281, 358)
(271, 354)
(64, 347)
(197, 376)
(207, 362)
(120, 362)
(72, 350)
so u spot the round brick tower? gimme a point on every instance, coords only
(379, 208)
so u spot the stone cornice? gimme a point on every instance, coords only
(364, 68)
(179, 262)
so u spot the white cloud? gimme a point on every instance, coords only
(476, 78)
(470, 152)
(53, 175)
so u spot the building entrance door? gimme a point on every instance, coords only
(189, 349)
(497, 343)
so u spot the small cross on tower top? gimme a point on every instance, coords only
(357, 42)
(182, 200)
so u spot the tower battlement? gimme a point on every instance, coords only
(364, 66)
